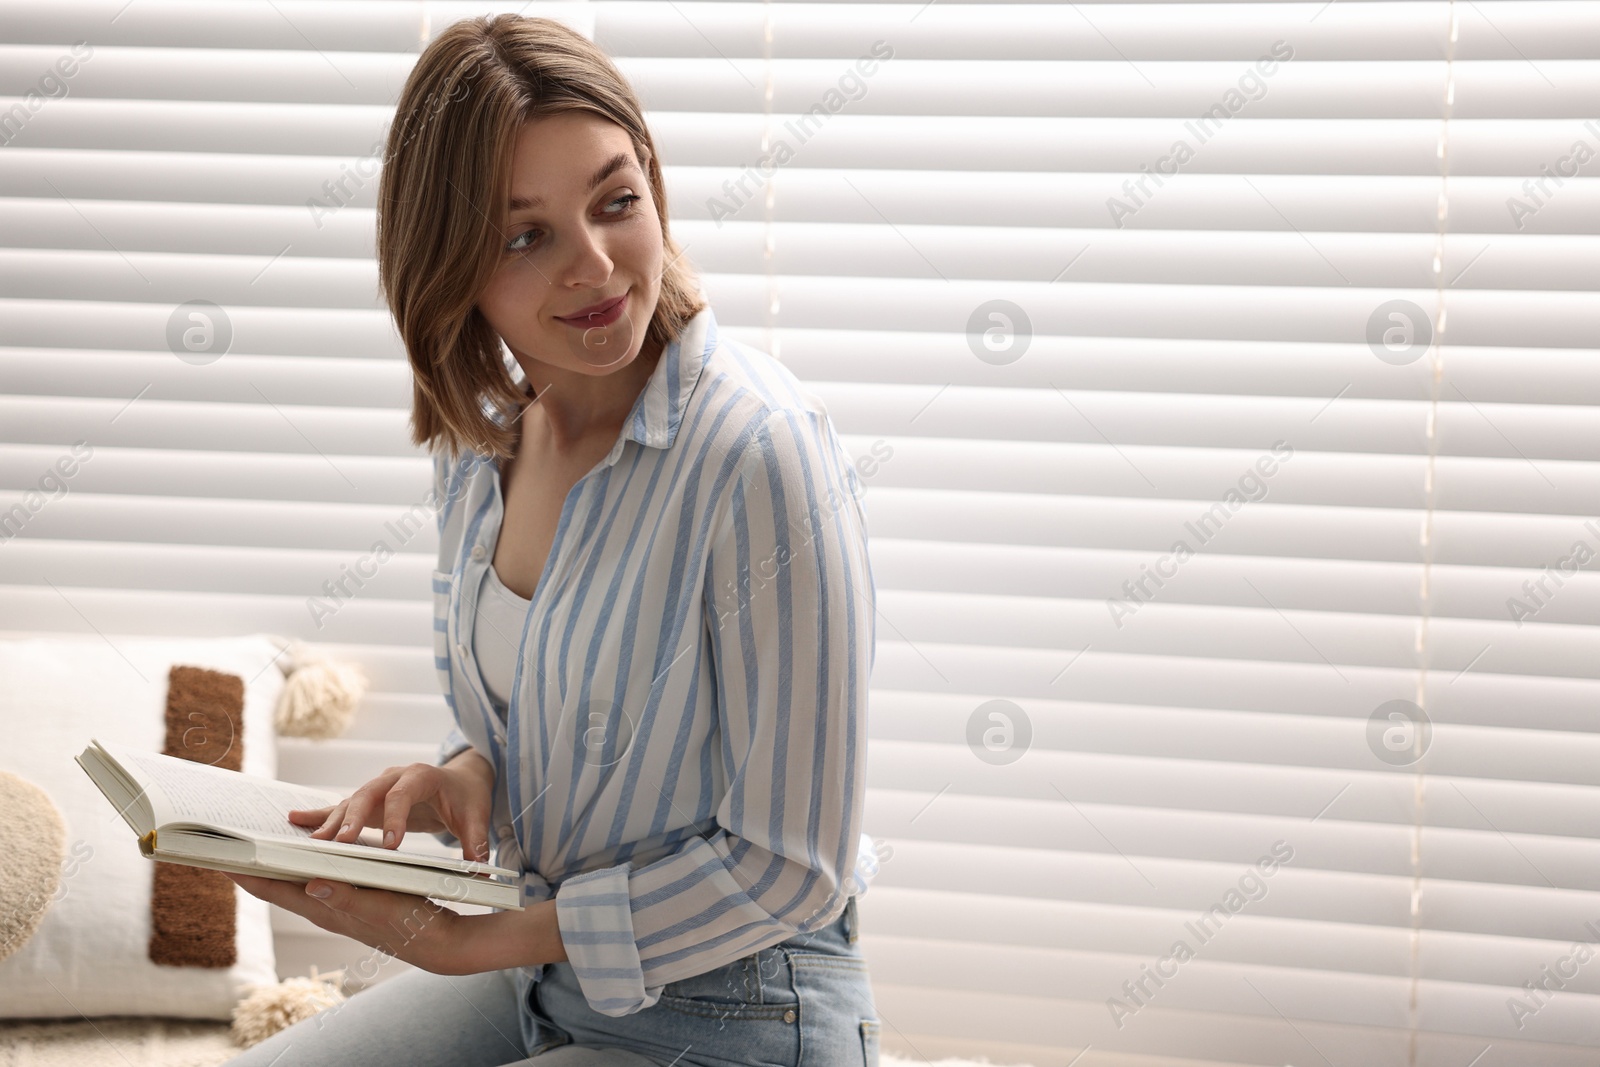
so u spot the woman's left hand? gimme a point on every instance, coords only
(411, 928)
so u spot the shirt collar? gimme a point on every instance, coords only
(658, 411)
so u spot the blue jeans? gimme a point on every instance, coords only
(806, 1002)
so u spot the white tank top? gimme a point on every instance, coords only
(495, 635)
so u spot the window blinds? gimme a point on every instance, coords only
(1223, 376)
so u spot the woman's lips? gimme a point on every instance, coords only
(603, 318)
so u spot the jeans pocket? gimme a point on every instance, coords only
(869, 1042)
(547, 1035)
(757, 986)
(835, 996)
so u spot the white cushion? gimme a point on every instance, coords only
(89, 955)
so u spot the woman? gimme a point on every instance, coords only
(653, 616)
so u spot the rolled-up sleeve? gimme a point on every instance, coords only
(789, 618)
(455, 742)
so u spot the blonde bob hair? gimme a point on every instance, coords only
(442, 205)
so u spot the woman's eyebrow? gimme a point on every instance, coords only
(607, 169)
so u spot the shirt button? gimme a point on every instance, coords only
(461, 649)
(478, 553)
(505, 833)
(788, 1016)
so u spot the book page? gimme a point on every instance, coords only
(199, 793)
(124, 794)
(253, 806)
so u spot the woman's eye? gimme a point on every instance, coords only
(627, 200)
(515, 245)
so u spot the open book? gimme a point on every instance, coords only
(203, 816)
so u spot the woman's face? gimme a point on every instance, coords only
(570, 243)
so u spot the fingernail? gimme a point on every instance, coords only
(322, 892)
(345, 828)
(388, 838)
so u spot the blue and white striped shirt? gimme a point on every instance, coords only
(682, 765)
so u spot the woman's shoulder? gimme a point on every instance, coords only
(748, 391)
(778, 438)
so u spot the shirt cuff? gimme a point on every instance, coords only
(454, 743)
(595, 915)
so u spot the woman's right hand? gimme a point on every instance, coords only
(457, 797)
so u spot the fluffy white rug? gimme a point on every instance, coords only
(141, 1042)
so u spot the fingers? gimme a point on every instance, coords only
(475, 839)
(406, 926)
(334, 821)
(464, 808)
(397, 808)
(417, 786)
(474, 842)
(254, 885)
(289, 895)
(420, 792)
(366, 806)
(466, 814)
(292, 896)
(310, 816)
(375, 906)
